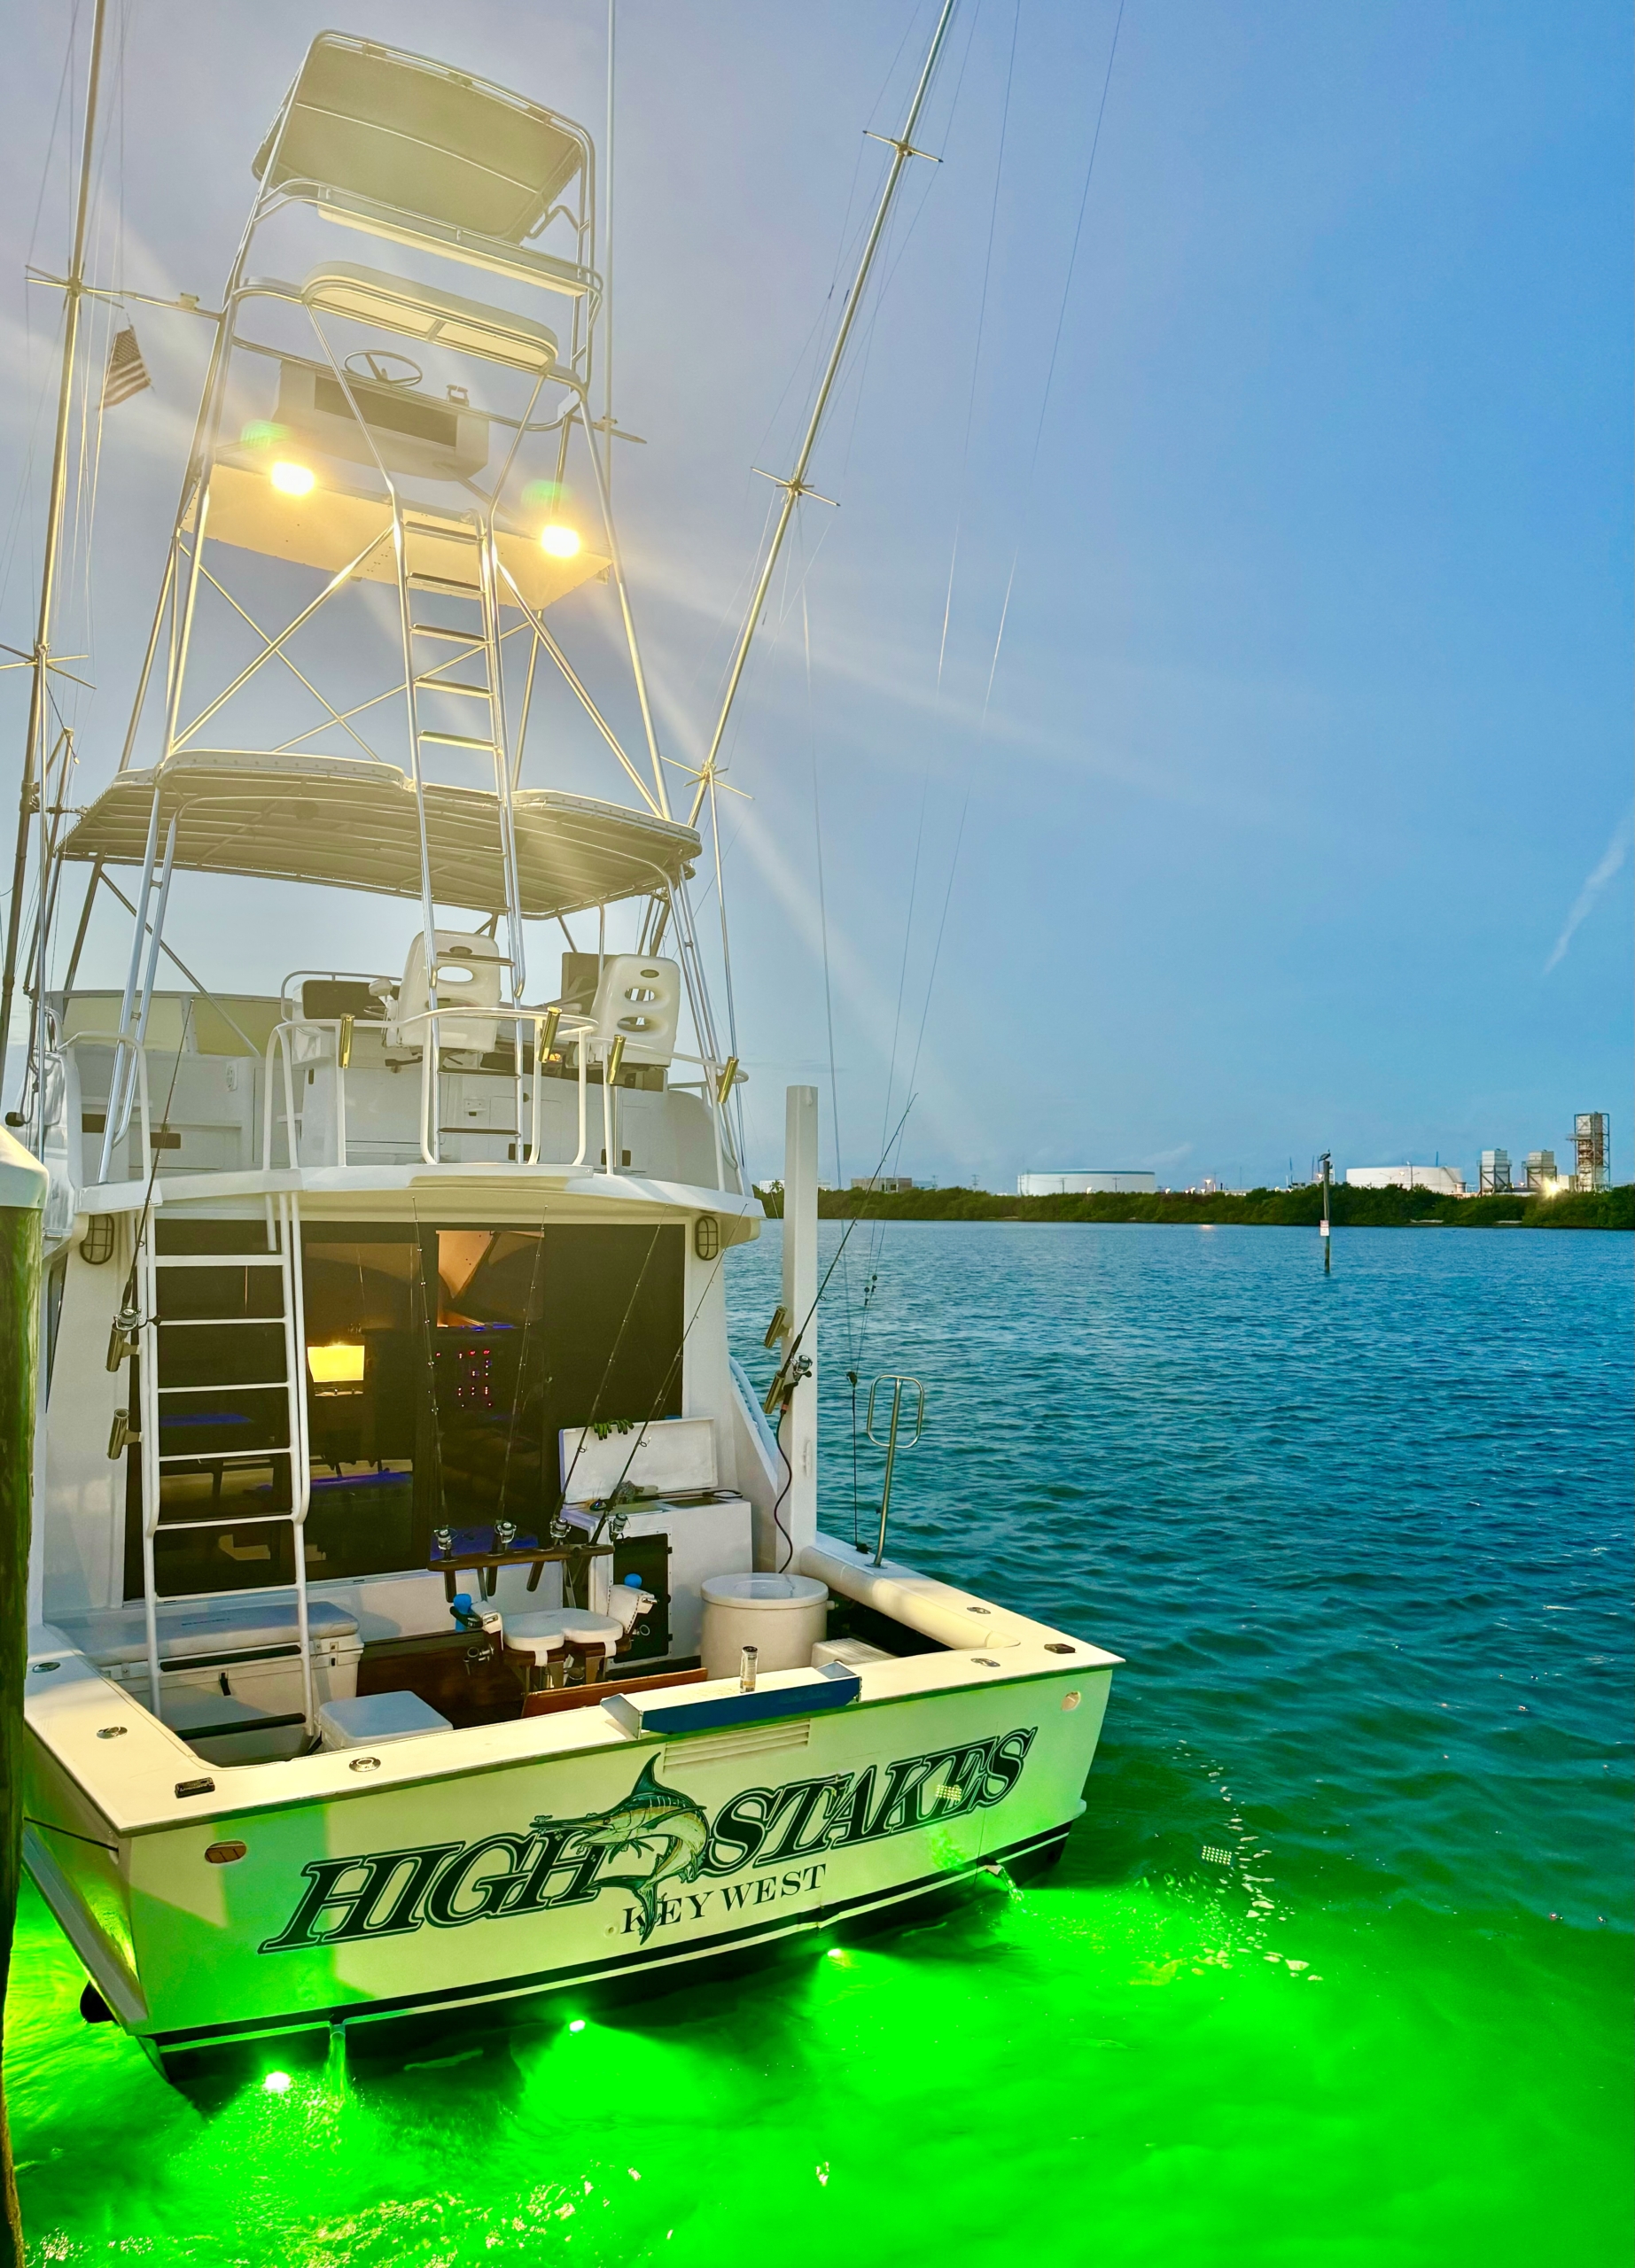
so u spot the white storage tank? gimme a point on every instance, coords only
(782, 1616)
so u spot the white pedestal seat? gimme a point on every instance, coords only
(582, 1637)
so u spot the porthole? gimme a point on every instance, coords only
(706, 1235)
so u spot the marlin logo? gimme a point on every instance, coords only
(803, 1825)
(652, 1818)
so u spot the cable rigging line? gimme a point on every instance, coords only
(1067, 285)
(796, 485)
(970, 406)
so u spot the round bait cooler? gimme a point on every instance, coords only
(782, 1616)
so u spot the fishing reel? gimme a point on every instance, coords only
(780, 1392)
(122, 1338)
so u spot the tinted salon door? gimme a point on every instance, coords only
(539, 1330)
(442, 1364)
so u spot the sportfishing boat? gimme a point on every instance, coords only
(425, 1612)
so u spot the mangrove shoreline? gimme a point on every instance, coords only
(1280, 1208)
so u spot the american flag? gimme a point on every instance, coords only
(128, 373)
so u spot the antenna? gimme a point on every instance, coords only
(796, 487)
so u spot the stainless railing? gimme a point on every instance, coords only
(304, 1042)
(128, 1095)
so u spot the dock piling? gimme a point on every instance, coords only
(23, 1182)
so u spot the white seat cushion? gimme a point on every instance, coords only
(541, 1643)
(373, 1718)
(563, 1622)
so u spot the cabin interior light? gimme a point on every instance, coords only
(339, 1365)
(292, 479)
(560, 542)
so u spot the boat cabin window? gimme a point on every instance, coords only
(442, 1365)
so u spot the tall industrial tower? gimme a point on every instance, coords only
(1592, 1143)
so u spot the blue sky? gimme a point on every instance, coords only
(1299, 814)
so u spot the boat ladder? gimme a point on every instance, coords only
(472, 595)
(196, 1311)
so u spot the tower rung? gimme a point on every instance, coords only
(228, 1456)
(238, 1385)
(445, 583)
(450, 637)
(232, 1520)
(447, 685)
(460, 740)
(261, 1258)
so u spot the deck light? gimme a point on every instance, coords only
(560, 542)
(292, 479)
(340, 1365)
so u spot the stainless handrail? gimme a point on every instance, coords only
(134, 1097)
(280, 1070)
(891, 1443)
(710, 1091)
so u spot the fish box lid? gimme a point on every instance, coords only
(713, 1707)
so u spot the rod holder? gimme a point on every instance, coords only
(747, 1660)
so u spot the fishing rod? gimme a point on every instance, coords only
(34, 768)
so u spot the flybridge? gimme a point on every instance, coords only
(366, 431)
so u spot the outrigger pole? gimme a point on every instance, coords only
(33, 764)
(795, 487)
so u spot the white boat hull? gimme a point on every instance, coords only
(523, 1878)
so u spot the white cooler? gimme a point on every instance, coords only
(370, 1719)
(782, 1616)
(231, 1649)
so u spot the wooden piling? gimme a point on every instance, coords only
(22, 1196)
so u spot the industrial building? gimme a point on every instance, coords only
(1495, 1181)
(1117, 1181)
(1448, 1181)
(1539, 1176)
(1497, 1177)
(1592, 1148)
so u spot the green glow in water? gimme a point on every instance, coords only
(1373, 1592)
(1123, 2072)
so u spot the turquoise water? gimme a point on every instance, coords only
(1364, 1543)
